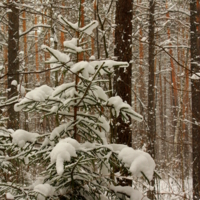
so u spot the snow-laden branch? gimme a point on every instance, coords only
(33, 27)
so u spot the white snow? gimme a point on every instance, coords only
(73, 142)
(86, 29)
(38, 180)
(20, 137)
(117, 147)
(166, 42)
(72, 45)
(60, 153)
(63, 89)
(26, 160)
(103, 197)
(138, 161)
(44, 190)
(134, 194)
(38, 94)
(9, 196)
(14, 82)
(105, 169)
(57, 56)
(45, 142)
(109, 65)
(99, 93)
(84, 67)
(88, 145)
(120, 106)
(1, 67)
(90, 27)
(104, 123)
(195, 76)
(54, 109)
(91, 58)
(21, 89)
(66, 22)
(57, 131)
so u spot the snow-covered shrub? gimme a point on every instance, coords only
(76, 160)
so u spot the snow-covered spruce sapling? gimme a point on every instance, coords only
(75, 158)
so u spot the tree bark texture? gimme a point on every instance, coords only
(151, 84)
(151, 132)
(123, 52)
(195, 86)
(13, 62)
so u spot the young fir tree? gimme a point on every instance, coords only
(75, 159)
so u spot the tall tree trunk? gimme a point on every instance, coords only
(36, 53)
(26, 66)
(195, 52)
(5, 56)
(13, 61)
(151, 132)
(173, 79)
(123, 52)
(47, 54)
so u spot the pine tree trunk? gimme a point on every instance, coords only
(36, 53)
(13, 62)
(123, 52)
(195, 50)
(151, 132)
(26, 127)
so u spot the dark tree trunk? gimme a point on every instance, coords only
(151, 132)
(123, 52)
(151, 83)
(195, 84)
(13, 61)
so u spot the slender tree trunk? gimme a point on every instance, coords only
(123, 52)
(36, 53)
(151, 83)
(151, 133)
(195, 84)
(173, 79)
(163, 134)
(5, 56)
(47, 54)
(165, 120)
(25, 66)
(79, 58)
(13, 61)
(92, 38)
(62, 39)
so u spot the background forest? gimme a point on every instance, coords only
(92, 78)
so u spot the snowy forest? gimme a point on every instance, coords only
(99, 99)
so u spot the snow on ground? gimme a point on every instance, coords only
(171, 188)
